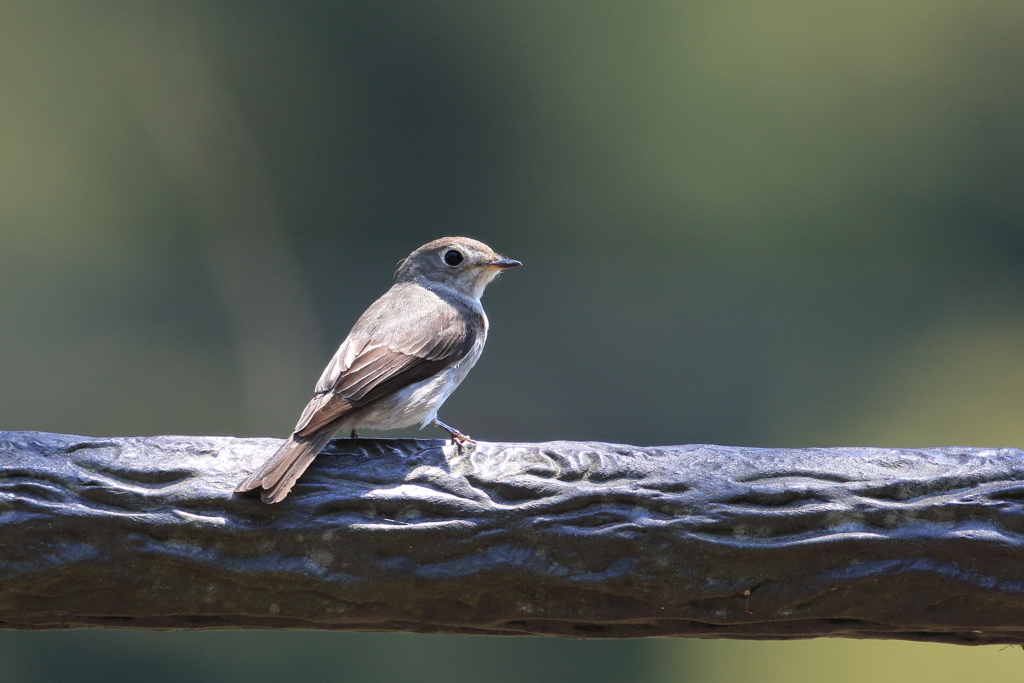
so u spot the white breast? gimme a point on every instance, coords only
(419, 402)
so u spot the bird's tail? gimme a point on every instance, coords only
(278, 475)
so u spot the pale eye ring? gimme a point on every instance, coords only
(453, 257)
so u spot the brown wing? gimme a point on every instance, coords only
(407, 335)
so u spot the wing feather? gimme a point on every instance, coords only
(406, 336)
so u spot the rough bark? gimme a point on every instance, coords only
(562, 538)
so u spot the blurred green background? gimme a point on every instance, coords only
(771, 223)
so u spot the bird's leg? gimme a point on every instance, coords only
(353, 435)
(459, 440)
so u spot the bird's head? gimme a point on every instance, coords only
(461, 263)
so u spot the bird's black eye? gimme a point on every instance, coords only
(453, 257)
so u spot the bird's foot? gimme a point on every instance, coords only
(353, 435)
(459, 440)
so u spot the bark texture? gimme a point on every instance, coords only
(569, 539)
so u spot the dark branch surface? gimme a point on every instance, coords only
(562, 538)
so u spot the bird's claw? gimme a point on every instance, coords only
(460, 440)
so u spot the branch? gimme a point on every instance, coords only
(563, 538)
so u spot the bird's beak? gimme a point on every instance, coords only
(503, 263)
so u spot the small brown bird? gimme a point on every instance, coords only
(404, 356)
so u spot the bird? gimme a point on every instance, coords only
(402, 359)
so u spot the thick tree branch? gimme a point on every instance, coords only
(563, 538)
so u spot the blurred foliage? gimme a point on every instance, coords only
(743, 222)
